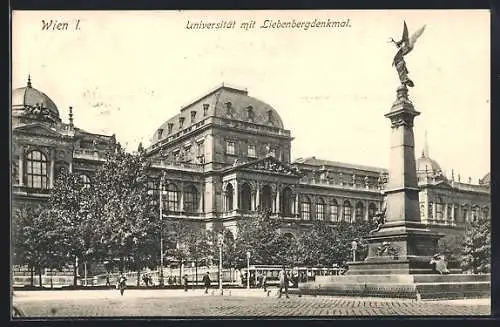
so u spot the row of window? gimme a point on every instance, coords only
(37, 171)
(451, 211)
(171, 197)
(359, 213)
(231, 149)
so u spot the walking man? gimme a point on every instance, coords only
(283, 282)
(206, 282)
(185, 282)
(264, 282)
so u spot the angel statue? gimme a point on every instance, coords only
(405, 46)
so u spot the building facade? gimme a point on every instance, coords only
(226, 156)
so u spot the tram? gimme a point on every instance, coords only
(297, 274)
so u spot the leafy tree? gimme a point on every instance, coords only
(451, 246)
(70, 199)
(24, 241)
(122, 211)
(259, 236)
(476, 256)
(39, 241)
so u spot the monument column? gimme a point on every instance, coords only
(402, 244)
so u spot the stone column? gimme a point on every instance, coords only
(70, 167)
(236, 196)
(21, 166)
(252, 200)
(257, 196)
(452, 221)
(366, 208)
(181, 205)
(402, 188)
(52, 172)
(278, 194)
(200, 202)
(434, 211)
(296, 205)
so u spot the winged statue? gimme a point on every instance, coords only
(405, 45)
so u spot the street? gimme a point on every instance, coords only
(236, 302)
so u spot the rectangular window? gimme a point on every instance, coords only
(172, 200)
(200, 152)
(449, 212)
(230, 147)
(251, 151)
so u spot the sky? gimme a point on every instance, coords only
(128, 72)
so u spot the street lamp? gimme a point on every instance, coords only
(248, 269)
(221, 243)
(161, 229)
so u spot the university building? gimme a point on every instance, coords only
(226, 156)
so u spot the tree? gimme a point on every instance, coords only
(123, 212)
(70, 199)
(476, 256)
(451, 246)
(259, 236)
(39, 240)
(24, 241)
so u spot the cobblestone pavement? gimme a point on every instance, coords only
(137, 303)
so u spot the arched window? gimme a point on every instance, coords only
(86, 181)
(449, 209)
(36, 170)
(465, 213)
(320, 209)
(372, 209)
(266, 198)
(475, 212)
(172, 198)
(430, 210)
(360, 210)
(229, 197)
(439, 209)
(305, 208)
(190, 199)
(486, 212)
(246, 197)
(347, 211)
(334, 211)
(286, 202)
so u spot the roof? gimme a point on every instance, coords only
(223, 102)
(313, 161)
(28, 96)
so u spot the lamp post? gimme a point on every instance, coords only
(161, 229)
(248, 269)
(221, 243)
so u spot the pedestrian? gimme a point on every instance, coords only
(175, 280)
(108, 283)
(169, 280)
(264, 282)
(283, 278)
(185, 282)
(206, 282)
(122, 283)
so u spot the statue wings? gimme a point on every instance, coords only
(407, 43)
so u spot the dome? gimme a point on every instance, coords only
(427, 164)
(28, 96)
(223, 102)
